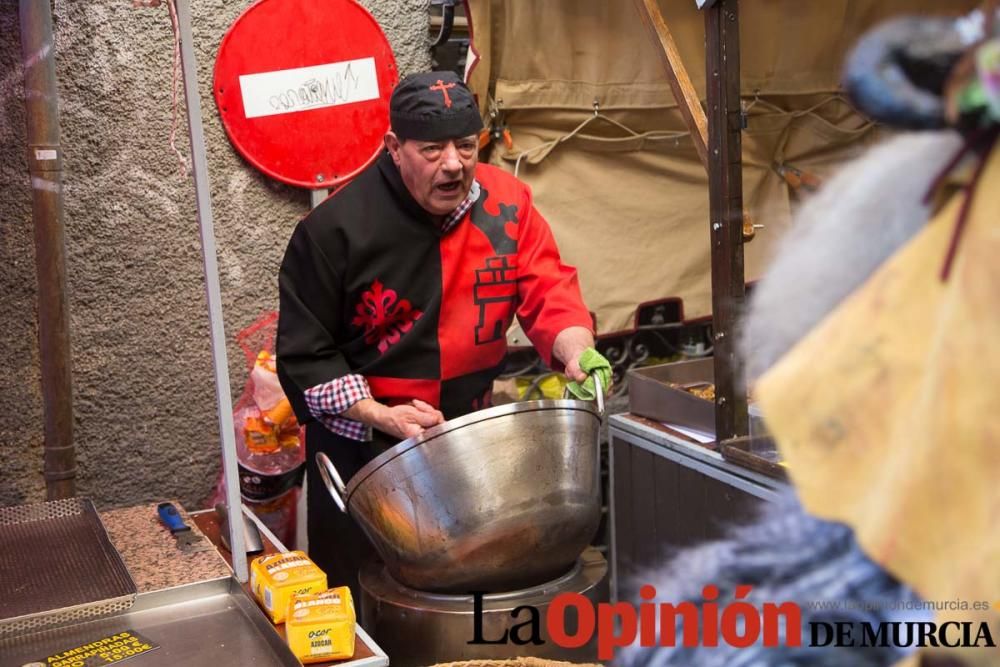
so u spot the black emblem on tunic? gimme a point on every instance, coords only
(495, 288)
(496, 283)
(495, 226)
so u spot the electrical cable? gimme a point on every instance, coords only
(174, 87)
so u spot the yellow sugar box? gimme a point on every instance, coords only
(320, 626)
(274, 578)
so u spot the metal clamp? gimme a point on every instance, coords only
(331, 480)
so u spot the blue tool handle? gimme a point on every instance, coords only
(171, 518)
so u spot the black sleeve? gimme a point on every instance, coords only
(309, 320)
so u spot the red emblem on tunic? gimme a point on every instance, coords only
(384, 316)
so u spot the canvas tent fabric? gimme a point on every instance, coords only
(629, 206)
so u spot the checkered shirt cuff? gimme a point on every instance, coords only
(328, 400)
(455, 216)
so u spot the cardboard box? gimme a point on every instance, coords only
(320, 626)
(274, 578)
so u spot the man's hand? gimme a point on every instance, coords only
(408, 420)
(400, 421)
(567, 348)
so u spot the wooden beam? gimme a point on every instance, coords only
(683, 90)
(677, 76)
(725, 185)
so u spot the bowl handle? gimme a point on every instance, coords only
(331, 480)
(598, 395)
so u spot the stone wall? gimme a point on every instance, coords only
(146, 426)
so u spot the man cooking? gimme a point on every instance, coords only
(397, 292)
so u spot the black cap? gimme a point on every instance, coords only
(432, 106)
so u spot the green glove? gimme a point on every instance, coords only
(592, 363)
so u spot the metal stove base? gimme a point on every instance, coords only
(416, 628)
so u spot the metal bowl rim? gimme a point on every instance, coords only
(461, 422)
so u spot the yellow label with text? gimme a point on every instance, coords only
(104, 651)
(320, 627)
(274, 578)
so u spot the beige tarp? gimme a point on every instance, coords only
(632, 211)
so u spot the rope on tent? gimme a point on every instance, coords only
(657, 135)
(632, 135)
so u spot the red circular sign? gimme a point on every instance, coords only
(303, 89)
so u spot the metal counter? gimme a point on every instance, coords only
(206, 624)
(668, 493)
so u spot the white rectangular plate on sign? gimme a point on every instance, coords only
(304, 88)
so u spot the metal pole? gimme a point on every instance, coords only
(725, 184)
(317, 196)
(212, 290)
(45, 167)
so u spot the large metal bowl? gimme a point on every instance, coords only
(499, 499)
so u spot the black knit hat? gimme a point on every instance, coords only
(432, 106)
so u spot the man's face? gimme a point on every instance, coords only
(438, 174)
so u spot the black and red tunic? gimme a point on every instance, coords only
(370, 285)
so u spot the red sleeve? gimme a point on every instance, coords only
(549, 298)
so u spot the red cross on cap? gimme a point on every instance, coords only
(443, 87)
